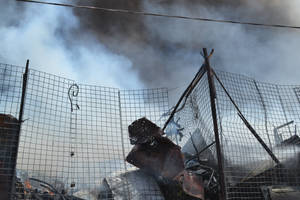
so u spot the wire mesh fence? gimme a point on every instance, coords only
(10, 98)
(74, 137)
(273, 112)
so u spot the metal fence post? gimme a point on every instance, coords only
(283, 109)
(20, 121)
(265, 111)
(123, 144)
(121, 129)
(212, 91)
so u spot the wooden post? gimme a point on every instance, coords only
(265, 112)
(212, 92)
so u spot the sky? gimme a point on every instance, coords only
(133, 51)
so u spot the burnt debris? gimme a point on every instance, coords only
(159, 156)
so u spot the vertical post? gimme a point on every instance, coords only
(123, 144)
(212, 91)
(20, 121)
(121, 129)
(265, 111)
(283, 109)
(24, 87)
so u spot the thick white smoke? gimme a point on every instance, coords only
(40, 33)
(136, 52)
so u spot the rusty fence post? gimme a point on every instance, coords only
(212, 91)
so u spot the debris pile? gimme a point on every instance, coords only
(36, 189)
(167, 172)
(160, 157)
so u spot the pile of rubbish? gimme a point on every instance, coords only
(169, 172)
(159, 157)
(163, 173)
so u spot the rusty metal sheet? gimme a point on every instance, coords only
(143, 131)
(159, 156)
(162, 158)
(191, 184)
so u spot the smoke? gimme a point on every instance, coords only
(106, 48)
(165, 52)
(42, 34)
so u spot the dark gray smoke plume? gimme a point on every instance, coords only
(166, 51)
(52, 39)
(134, 51)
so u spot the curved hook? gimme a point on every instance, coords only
(73, 92)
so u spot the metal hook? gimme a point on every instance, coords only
(73, 92)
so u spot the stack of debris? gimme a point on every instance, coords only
(36, 189)
(158, 156)
(166, 172)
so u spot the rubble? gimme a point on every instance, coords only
(133, 185)
(281, 193)
(35, 189)
(167, 172)
(195, 144)
(160, 157)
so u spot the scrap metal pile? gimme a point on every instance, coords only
(158, 156)
(166, 172)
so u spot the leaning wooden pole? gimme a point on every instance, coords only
(212, 92)
(186, 93)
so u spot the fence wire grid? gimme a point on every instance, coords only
(75, 136)
(272, 110)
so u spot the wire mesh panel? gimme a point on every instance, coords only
(135, 104)
(10, 98)
(74, 138)
(44, 152)
(273, 111)
(196, 120)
